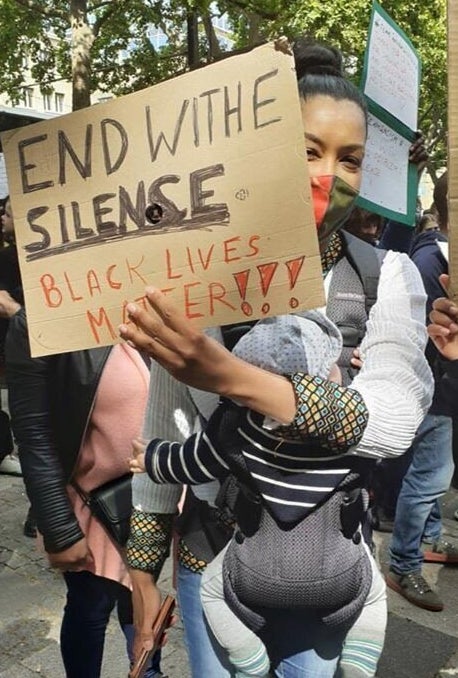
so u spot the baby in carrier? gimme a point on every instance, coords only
(298, 508)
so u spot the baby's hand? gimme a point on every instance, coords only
(137, 464)
(356, 360)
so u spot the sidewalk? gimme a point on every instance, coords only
(31, 602)
(420, 644)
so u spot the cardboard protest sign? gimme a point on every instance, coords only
(391, 83)
(215, 159)
(452, 69)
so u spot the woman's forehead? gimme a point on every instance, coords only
(324, 114)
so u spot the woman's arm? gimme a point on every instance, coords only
(199, 361)
(193, 358)
(30, 400)
(395, 380)
(395, 384)
(170, 413)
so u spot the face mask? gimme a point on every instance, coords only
(333, 200)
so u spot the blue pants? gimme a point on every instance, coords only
(299, 650)
(206, 657)
(90, 601)
(418, 516)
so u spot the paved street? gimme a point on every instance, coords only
(420, 644)
(31, 601)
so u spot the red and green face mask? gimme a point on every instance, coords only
(333, 200)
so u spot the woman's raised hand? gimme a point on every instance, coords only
(171, 339)
(197, 360)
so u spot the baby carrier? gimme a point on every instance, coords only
(318, 563)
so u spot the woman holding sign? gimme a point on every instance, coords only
(334, 117)
(60, 411)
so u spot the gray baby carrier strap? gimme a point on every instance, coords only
(352, 293)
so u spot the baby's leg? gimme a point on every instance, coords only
(364, 642)
(247, 652)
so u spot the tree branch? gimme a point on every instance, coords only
(101, 20)
(215, 50)
(44, 11)
(248, 7)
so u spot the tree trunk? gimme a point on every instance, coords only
(214, 49)
(192, 38)
(254, 29)
(81, 43)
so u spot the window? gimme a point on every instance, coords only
(105, 98)
(27, 97)
(47, 102)
(59, 102)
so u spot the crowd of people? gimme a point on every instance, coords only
(271, 450)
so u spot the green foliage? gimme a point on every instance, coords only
(123, 58)
(345, 24)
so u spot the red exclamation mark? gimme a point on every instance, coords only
(294, 267)
(266, 273)
(241, 280)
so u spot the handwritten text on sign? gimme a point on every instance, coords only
(393, 73)
(385, 166)
(198, 186)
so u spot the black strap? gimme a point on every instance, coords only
(366, 261)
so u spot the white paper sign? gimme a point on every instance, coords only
(392, 79)
(385, 167)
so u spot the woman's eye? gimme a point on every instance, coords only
(312, 153)
(352, 162)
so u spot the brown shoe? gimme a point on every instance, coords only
(414, 588)
(441, 551)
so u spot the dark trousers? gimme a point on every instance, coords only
(6, 439)
(90, 601)
(386, 484)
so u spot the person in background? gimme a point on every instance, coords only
(428, 222)
(9, 282)
(443, 331)
(365, 225)
(417, 525)
(73, 417)
(11, 300)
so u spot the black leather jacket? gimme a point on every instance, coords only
(50, 400)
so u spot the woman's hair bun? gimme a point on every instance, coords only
(313, 58)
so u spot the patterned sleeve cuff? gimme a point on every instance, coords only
(335, 416)
(149, 541)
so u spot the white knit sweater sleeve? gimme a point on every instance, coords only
(395, 380)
